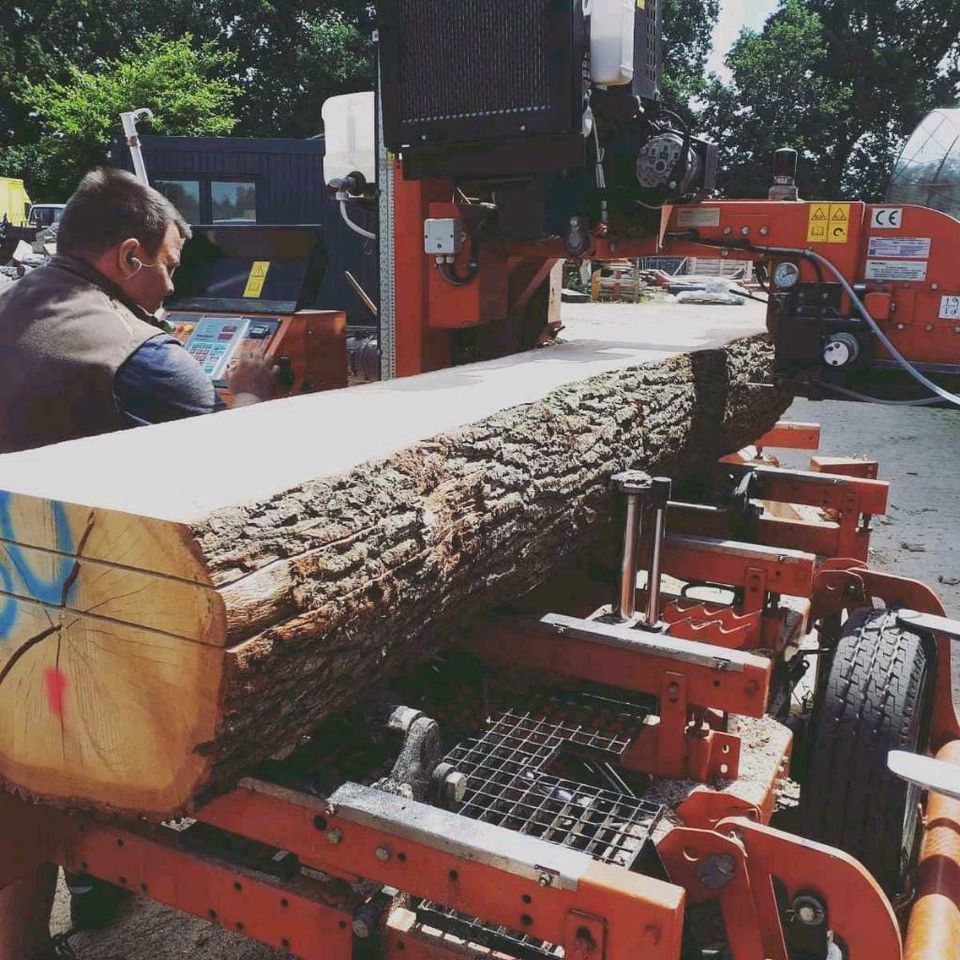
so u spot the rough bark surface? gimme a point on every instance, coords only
(328, 587)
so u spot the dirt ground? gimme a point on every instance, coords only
(918, 450)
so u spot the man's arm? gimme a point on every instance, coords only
(160, 381)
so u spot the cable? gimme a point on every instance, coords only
(880, 335)
(353, 226)
(816, 258)
(854, 395)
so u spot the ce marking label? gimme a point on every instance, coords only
(887, 218)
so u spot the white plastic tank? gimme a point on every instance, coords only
(612, 24)
(350, 132)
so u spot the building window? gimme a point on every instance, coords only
(184, 195)
(233, 201)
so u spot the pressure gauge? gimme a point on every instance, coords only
(786, 276)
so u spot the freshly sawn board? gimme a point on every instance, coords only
(180, 602)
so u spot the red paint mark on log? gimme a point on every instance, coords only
(55, 682)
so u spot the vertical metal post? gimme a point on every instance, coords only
(387, 245)
(659, 497)
(635, 487)
(129, 122)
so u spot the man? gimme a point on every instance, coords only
(81, 350)
(82, 353)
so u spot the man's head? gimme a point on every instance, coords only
(131, 233)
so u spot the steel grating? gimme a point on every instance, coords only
(509, 784)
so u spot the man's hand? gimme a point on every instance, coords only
(251, 379)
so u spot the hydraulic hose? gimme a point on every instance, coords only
(818, 260)
(353, 226)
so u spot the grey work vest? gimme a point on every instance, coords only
(63, 335)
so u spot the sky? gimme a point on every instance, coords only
(734, 15)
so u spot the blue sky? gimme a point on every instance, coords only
(734, 15)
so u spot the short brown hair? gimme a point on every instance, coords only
(110, 206)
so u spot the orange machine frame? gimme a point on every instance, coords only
(724, 850)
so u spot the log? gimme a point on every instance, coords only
(180, 602)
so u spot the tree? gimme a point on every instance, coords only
(843, 82)
(288, 57)
(687, 37)
(184, 87)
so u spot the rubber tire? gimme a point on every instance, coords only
(876, 698)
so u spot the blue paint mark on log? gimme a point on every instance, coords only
(44, 589)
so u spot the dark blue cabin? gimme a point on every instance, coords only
(219, 180)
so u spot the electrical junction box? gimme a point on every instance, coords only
(442, 237)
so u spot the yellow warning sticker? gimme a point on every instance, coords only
(839, 222)
(641, 4)
(257, 278)
(818, 223)
(829, 223)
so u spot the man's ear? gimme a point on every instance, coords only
(126, 257)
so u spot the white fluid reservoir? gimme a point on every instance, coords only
(349, 130)
(612, 24)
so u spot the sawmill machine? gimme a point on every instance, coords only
(602, 772)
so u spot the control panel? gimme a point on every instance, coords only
(215, 341)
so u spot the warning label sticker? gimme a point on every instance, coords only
(698, 217)
(950, 308)
(828, 223)
(896, 270)
(911, 248)
(257, 278)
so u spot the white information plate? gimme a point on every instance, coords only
(896, 270)
(914, 248)
(698, 217)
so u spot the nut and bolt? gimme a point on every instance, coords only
(382, 853)
(334, 836)
(454, 787)
(545, 880)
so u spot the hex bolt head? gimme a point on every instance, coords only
(382, 853)
(334, 836)
(544, 880)
(454, 787)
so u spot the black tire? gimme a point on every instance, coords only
(875, 698)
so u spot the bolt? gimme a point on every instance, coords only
(727, 231)
(934, 286)
(764, 231)
(901, 326)
(360, 929)
(929, 328)
(745, 231)
(454, 787)
(545, 880)
(334, 836)
(383, 853)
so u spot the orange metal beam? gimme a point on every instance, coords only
(532, 645)
(789, 435)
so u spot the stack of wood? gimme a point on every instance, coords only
(619, 281)
(182, 601)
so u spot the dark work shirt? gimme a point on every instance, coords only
(160, 381)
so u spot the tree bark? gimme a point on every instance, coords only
(147, 659)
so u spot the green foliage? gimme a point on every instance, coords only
(184, 87)
(287, 57)
(842, 81)
(687, 35)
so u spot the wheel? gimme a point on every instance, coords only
(875, 698)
